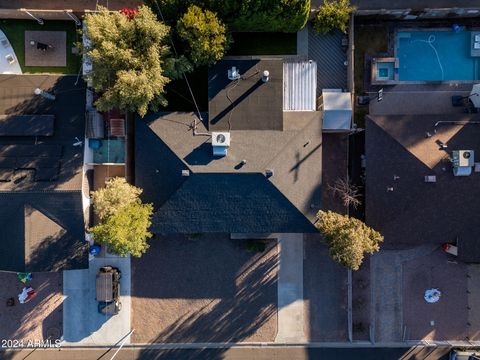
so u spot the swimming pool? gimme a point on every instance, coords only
(436, 56)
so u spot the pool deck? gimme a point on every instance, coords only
(419, 99)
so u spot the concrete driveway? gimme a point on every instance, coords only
(81, 321)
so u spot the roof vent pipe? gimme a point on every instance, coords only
(265, 76)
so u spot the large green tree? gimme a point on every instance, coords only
(124, 219)
(348, 238)
(127, 54)
(245, 15)
(115, 195)
(126, 232)
(204, 34)
(333, 14)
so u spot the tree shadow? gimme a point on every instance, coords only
(232, 318)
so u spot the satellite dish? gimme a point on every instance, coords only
(220, 138)
(466, 154)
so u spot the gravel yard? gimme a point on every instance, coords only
(208, 289)
(38, 319)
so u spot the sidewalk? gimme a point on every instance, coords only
(81, 321)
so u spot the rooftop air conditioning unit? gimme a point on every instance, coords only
(463, 161)
(233, 73)
(220, 143)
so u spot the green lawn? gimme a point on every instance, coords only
(368, 40)
(15, 32)
(263, 44)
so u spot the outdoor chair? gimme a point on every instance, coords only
(10, 59)
(5, 43)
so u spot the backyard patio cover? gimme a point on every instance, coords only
(337, 110)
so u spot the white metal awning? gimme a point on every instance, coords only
(300, 86)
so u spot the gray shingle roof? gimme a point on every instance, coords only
(41, 178)
(249, 103)
(45, 231)
(233, 193)
(416, 212)
(235, 203)
(165, 146)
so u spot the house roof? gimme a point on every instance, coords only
(249, 103)
(165, 146)
(411, 4)
(235, 203)
(45, 231)
(41, 177)
(399, 155)
(406, 4)
(75, 5)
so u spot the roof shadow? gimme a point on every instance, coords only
(236, 102)
(201, 155)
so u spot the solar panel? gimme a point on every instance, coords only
(27, 125)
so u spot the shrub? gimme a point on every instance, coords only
(348, 238)
(204, 34)
(245, 15)
(333, 14)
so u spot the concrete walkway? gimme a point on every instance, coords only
(81, 321)
(290, 289)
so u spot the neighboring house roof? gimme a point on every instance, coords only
(41, 177)
(399, 155)
(75, 5)
(406, 4)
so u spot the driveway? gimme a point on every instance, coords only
(325, 292)
(81, 321)
(291, 318)
(207, 289)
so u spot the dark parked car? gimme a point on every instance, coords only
(108, 290)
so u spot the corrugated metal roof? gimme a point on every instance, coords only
(299, 86)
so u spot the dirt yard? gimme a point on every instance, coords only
(208, 289)
(38, 319)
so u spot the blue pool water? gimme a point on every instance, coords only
(435, 56)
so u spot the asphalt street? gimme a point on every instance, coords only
(235, 353)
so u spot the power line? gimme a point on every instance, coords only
(183, 73)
